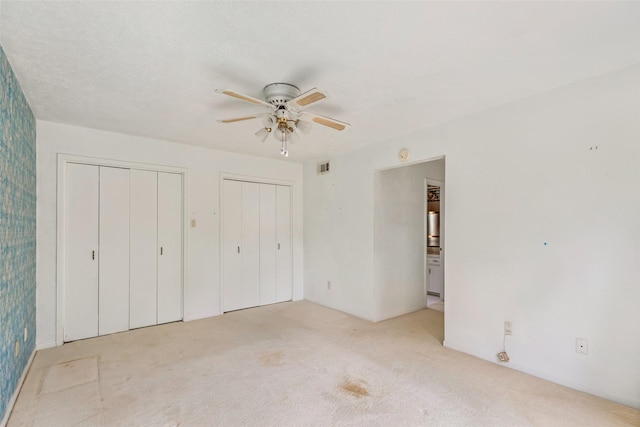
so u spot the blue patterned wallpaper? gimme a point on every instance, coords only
(17, 231)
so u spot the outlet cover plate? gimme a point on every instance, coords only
(507, 327)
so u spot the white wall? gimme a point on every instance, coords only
(399, 233)
(204, 166)
(338, 240)
(517, 176)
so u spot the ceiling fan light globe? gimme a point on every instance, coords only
(263, 134)
(305, 127)
(280, 135)
(295, 136)
(268, 121)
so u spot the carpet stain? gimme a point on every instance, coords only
(272, 359)
(355, 387)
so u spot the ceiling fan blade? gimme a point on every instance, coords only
(245, 98)
(308, 98)
(239, 119)
(324, 121)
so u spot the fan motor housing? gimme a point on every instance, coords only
(279, 93)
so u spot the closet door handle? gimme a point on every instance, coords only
(160, 250)
(278, 246)
(93, 254)
(238, 249)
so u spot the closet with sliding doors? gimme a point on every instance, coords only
(256, 248)
(123, 249)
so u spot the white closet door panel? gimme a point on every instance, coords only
(268, 244)
(81, 252)
(250, 247)
(113, 281)
(170, 250)
(232, 239)
(284, 271)
(143, 290)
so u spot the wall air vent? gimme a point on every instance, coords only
(322, 168)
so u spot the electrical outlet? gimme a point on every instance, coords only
(329, 284)
(582, 346)
(503, 356)
(507, 327)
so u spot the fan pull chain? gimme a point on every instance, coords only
(283, 149)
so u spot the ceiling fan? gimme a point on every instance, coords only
(287, 113)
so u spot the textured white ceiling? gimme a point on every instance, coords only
(150, 68)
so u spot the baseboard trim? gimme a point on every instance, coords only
(43, 346)
(324, 304)
(199, 317)
(400, 313)
(557, 378)
(14, 397)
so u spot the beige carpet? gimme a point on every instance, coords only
(293, 364)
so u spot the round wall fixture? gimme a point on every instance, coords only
(403, 154)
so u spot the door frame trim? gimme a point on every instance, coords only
(63, 160)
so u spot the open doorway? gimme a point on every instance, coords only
(434, 243)
(400, 238)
